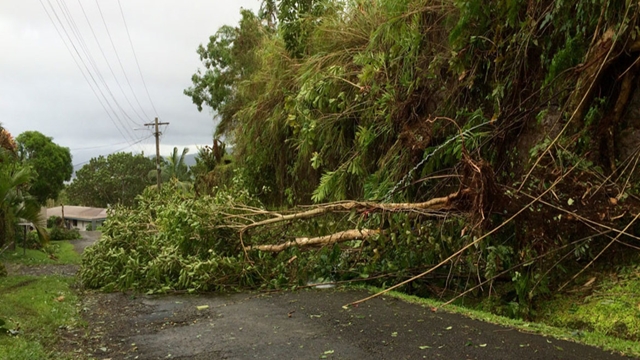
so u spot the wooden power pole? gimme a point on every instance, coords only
(157, 135)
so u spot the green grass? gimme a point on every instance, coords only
(593, 338)
(611, 307)
(29, 303)
(63, 251)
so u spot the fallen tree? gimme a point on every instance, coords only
(426, 208)
(342, 236)
(510, 133)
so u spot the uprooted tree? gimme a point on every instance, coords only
(514, 121)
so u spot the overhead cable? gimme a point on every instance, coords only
(136, 58)
(95, 37)
(91, 86)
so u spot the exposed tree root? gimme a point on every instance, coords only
(473, 243)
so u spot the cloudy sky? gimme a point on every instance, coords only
(42, 88)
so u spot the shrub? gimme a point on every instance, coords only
(54, 221)
(89, 228)
(58, 233)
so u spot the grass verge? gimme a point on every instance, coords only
(63, 251)
(593, 338)
(609, 305)
(37, 307)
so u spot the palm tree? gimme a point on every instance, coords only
(269, 12)
(15, 202)
(174, 168)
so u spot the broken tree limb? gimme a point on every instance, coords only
(433, 204)
(473, 243)
(338, 237)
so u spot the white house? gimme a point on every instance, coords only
(79, 217)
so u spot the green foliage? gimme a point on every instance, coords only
(173, 167)
(340, 102)
(295, 23)
(116, 179)
(268, 12)
(228, 59)
(174, 240)
(54, 221)
(61, 233)
(611, 308)
(170, 240)
(213, 168)
(341, 108)
(408, 100)
(50, 162)
(15, 202)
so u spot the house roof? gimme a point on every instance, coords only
(78, 212)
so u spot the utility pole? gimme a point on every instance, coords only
(157, 135)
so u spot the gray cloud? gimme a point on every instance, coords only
(42, 89)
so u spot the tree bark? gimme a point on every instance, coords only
(338, 237)
(440, 203)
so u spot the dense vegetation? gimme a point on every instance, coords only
(50, 162)
(515, 111)
(16, 180)
(115, 179)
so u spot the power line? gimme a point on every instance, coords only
(89, 58)
(95, 37)
(104, 146)
(120, 61)
(83, 46)
(136, 58)
(115, 151)
(79, 66)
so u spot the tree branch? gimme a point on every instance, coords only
(433, 204)
(341, 236)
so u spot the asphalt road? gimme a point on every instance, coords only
(308, 324)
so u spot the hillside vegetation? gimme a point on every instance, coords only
(491, 148)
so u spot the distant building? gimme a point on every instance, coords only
(80, 217)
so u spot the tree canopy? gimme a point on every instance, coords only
(228, 58)
(115, 179)
(50, 162)
(15, 202)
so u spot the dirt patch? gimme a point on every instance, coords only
(41, 270)
(299, 325)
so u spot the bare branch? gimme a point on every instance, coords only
(433, 204)
(338, 237)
